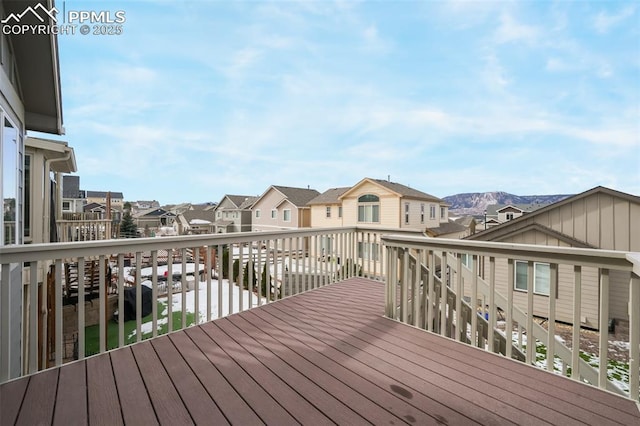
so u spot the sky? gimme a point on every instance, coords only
(197, 99)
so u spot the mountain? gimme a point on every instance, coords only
(476, 203)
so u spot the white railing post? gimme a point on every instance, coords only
(551, 336)
(460, 323)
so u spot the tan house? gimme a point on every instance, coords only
(385, 204)
(233, 213)
(154, 219)
(282, 207)
(326, 208)
(598, 218)
(100, 197)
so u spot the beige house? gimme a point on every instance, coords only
(100, 197)
(385, 204)
(599, 218)
(326, 208)
(233, 213)
(282, 207)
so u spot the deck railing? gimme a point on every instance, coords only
(192, 279)
(473, 292)
(82, 229)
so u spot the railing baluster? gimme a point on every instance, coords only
(460, 327)
(34, 310)
(80, 305)
(508, 329)
(474, 302)
(154, 288)
(240, 282)
(196, 283)
(251, 272)
(404, 283)
(260, 275)
(604, 329)
(531, 341)
(551, 336)
(169, 277)
(103, 300)
(443, 294)
(183, 287)
(416, 289)
(138, 287)
(432, 295)
(120, 300)
(230, 278)
(577, 319)
(493, 309)
(219, 270)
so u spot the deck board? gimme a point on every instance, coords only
(71, 400)
(134, 399)
(323, 357)
(39, 399)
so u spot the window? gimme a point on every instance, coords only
(432, 211)
(27, 195)
(286, 215)
(219, 214)
(541, 277)
(421, 213)
(257, 213)
(467, 260)
(328, 212)
(339, 211)
(368, 251)
(66, 206)
(369, 208)
(274, 214)
(406, 213)
(509, 216)
(442, 213)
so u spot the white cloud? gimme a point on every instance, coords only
(510, 31)
(603, 22)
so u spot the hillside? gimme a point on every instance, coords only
(475, 203)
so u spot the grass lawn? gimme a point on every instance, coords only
(92, 333)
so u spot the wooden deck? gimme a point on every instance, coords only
(324, 357)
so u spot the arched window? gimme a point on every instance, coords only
(369, 208)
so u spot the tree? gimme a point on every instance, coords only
(128, 228)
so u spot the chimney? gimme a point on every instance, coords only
(388, 178)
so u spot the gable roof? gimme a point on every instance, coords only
(397, 188)
(190, 215)
(445, 228)
(330, 196)
(507, 228)
(494, 209)
(154, 213)
(299, 197)
(240, 201)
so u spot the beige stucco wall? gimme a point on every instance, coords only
(318, 215)
(269, 202)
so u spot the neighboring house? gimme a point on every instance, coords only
(451, 229)
(282, 207)
(100, 197)
(598, 218)
(385, 204)
(101, 210)
(176, 209)
(501, 213)
(29, 101)
(233, 213)
(469, 222)
(144, 205)
(326, 208)
(198, 221)
(154, 219)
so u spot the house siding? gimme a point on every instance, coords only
(318, 216)
(266, 204)
(601, 220)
